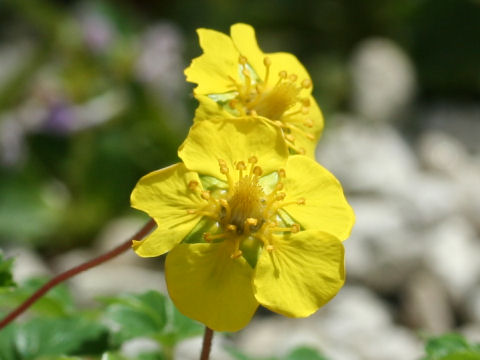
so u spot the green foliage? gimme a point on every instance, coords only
(6, 278)
(451, 347)
(149, 315)
(299, 353)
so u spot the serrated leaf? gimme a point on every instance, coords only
(61, 336)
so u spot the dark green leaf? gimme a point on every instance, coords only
(451, 347)
(6, 278)
(46, 336)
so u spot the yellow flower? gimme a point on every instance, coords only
(236, 79)
(245, 224)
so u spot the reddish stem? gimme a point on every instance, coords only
(76, 270)
(207, 343)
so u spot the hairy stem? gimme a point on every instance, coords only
(207, 343)
(76, 270)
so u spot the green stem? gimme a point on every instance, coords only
(207, 344)
(76, 270)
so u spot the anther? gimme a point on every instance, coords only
(267, 61)
(253, 112)
(206, 237)
(306, 83)
(278, 123)
(191, 211)
(251, 221)
(280, 196)
(282, 173)
(252, 160)
(301, 151)
(192, 185)
(231, 227)
(269, 248)
(241, 165)
(308, 123)
(293, 77)
(305, 110)
(295, 228)
(257, 170)
(236, 254)
(279, 186)
(301, 201)
(310, 137)
(205, 195)
(242, 60)
(290, 137)
(224, 169)
(306, 102)
(283, 74)
(233, 103)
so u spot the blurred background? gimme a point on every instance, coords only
(93, 96)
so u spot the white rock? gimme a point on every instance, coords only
(383, 79)
(382, 250)
(368, 158)
(27, 264)
(453, 255)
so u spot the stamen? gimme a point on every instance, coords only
(257, 171)
(205, 195)
(267, 62)
(192, 185)
(208, 237)
(306, 83)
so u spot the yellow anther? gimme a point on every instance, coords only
(222, 162)
(306, 83)
(278, 123)
(224, 169)
(305, 110)
(224, 203)
(280, 196)
(245, 73)
(233, 103)
(290, 137)
(192, 184)
(282, 74)
(242, 60)
(236, 254)
(191, 211)
(282, 173)
(207, 237)
(253, 112)
(241, 165)
(293, 77)
(269, 248)
(301, 151)
(301, 201)
(231, 227)
(257, 170)
(267, 61)
(205, 195)
(252, 160)
(279, 186)
(295, 228)
(310, 137)
(306, 102)
(308, 123)
(251, 221)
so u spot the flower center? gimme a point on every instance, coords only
(280, 102)
(245, 209)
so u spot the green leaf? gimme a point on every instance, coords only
(451, 347)
(61, 336)
(56, 302)
(7, 347)
(136, 315)
(6, 278)
(149, 315)
(304, 353)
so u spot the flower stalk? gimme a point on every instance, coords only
(207, 343)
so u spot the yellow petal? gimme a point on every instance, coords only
(301, 141)
(302, 273)
(245, 41)
(208, 109)
(213, 70)
(165, 196)
(232, 141)
(282, 61)
(325, 207)
(207, 285)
